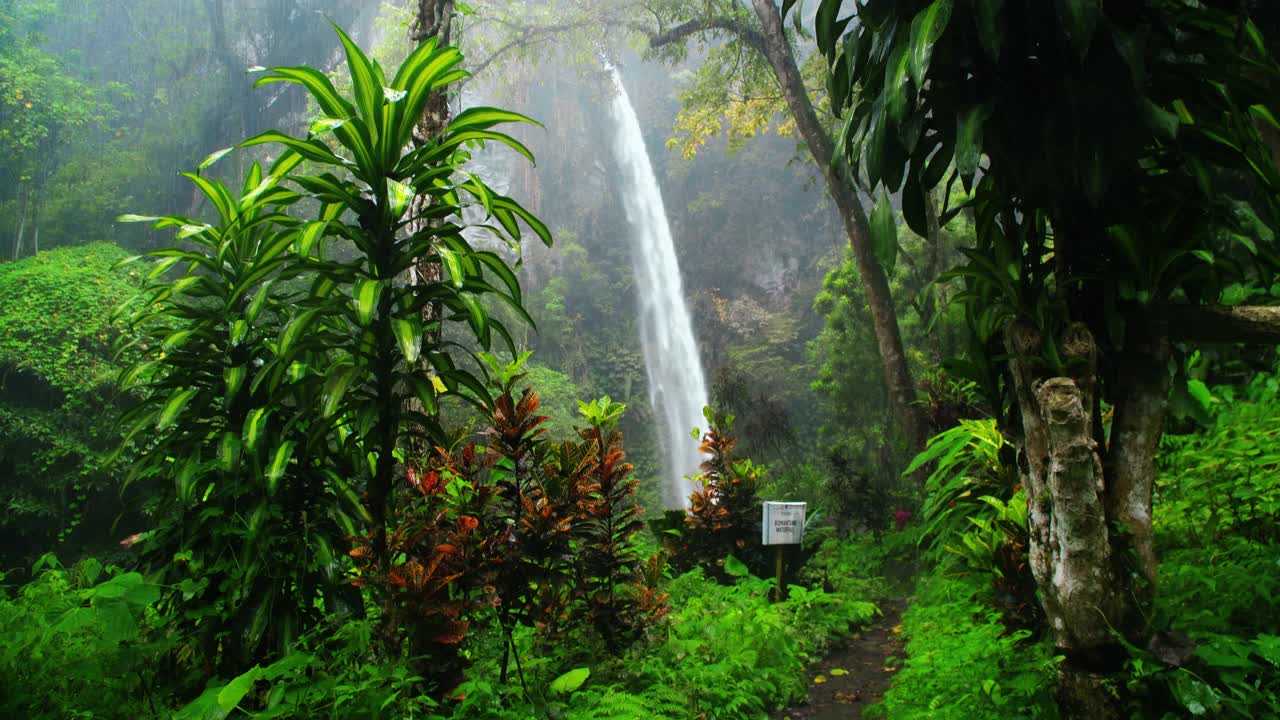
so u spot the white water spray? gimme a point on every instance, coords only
(677, 388)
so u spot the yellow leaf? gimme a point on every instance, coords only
(819, 680)
(837, 672)
(438, 384)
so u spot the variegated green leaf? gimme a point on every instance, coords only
(335, 388)
(255, 425)
(174, 406)
(279, 462)
(365, 293)
(408, 333)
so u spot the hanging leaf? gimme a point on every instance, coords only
(399, 195)
(884, 232)
(1079, 18)
(279, 461)
(408, 333)
(926, 29)
(826, 30)
(335, 388)
(914, 209)
(366, 292)
(174, 407)
(986, 13)
(254, 426)
(896, 86)
(969, 124)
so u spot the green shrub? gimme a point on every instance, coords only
(727, 653)
(57, 385)
(1216, 622)
(963, 663)
(75, 646)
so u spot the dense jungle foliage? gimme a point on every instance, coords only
(325, 389)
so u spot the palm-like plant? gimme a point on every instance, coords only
(280, 372)
(360, 317)
(249, 521)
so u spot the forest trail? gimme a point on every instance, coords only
(854, 677)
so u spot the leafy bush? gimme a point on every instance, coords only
(75, 644)
(728, 653)
(961, 661)
(1215, 648)
(969, 463)
(58, 381)
(288, 364)
(723, 518)
(620, 603)
(1222, 480)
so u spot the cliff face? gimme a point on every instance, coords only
(753, 232)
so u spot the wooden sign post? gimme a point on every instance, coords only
(782, 525)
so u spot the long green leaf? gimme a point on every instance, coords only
(408, 332)
(884, 232)
(310, 149)
(255, 425)
(335, 388)
(366, 292)
(174, 407)
(279, 462)
(366, 81)
(926, 30)
(295, 330)
(969, 124)
(483, 118)
(317, 85)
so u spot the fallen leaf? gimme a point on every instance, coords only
(837, 672)
(820, 679)
(897, 629)
(845, 698)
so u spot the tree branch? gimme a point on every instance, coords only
(1257, 325)
(743, 31)
(528, 36)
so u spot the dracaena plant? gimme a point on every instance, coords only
(247, 521)
(360, 333)
(280, 372)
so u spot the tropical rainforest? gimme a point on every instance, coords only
(437, 359)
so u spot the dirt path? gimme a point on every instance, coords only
(853, 677)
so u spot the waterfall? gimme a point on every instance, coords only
(677, 388)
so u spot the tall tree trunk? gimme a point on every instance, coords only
(884, 315)
(433, 21)
(1089, 507)
(22, 222)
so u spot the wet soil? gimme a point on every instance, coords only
(857, 675)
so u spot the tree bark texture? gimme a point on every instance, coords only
(1218, 323)
(1089, 507)
(433, 20)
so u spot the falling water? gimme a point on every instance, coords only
(677, 389)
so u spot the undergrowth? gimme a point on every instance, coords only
(81, 643)
(1216, 647)
(961, 660)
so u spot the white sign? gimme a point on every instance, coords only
(783, 523)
